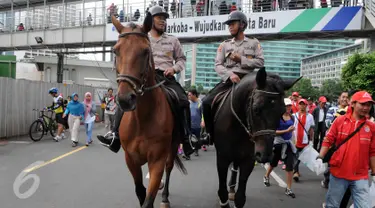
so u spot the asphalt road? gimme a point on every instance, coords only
(94, 177)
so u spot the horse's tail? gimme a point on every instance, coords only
(180, 165)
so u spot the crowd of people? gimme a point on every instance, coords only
(71, 113)
(305, 122)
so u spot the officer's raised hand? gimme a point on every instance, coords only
(235, 57)
(234, 78)
(169, 72)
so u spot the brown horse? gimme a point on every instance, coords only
(147, 131)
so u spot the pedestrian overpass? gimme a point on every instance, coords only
(55, 28)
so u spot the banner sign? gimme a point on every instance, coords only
(292, 21)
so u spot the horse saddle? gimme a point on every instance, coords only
(172, 98)
(219, 100)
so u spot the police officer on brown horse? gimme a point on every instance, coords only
(235, 58)
(169, 59)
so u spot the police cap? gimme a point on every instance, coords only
(158, 11)
(237, 16)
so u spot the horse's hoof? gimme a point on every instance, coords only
(231, 196)
(164, 205)
(161, 186)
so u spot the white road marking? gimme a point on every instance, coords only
(19, 142)
(276, 177)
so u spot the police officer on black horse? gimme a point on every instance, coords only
(235, 58)
(166, 50)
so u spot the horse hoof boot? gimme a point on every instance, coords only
(164, 205)
(231, 196)
(161, 186)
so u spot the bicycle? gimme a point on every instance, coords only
(43, 125)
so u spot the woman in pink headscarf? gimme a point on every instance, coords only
(90, 114)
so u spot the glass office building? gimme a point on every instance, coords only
(281, 57)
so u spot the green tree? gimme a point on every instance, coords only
(304, 88)
(331, 89)
(359, 72)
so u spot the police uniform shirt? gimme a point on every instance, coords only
(251, 57)
(168, 53)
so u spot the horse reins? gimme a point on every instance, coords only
(249, 119)
(134, 81)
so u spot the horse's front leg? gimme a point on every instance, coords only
(136, 171)
(222, 165)
(233, 181)
(156, 169)
(246, 167)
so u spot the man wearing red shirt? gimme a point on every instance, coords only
(311, 106)
(349, 165)
(303, 131)
(295, 99)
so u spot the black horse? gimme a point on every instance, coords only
(243, 124)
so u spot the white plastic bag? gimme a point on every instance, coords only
(308, 157)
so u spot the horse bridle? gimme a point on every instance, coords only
(249, 119)
(138, 84)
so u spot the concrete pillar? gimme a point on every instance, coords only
(193, 63)
(60, 65)
(372, 43)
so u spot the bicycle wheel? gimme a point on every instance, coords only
(53, 128)
(36, 131)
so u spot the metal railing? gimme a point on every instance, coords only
(76, 15)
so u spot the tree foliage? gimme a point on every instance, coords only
(331, 89)
(359, 72)
(304, 88)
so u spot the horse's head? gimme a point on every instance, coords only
(265, 109)
(134, 63)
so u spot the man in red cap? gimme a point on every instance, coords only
(295, 98)
(319, 115)
(304, 131)
(349, 165)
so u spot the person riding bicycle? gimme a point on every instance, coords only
(58, 107)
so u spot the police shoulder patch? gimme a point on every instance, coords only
(220, 48)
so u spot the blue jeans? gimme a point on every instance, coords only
(89, 127)
(337, 188)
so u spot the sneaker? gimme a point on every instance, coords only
(74, 144)
(289, 192)
(266, 181)
(296, 177)
(57, 138)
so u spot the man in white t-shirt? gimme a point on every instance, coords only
(304, 131)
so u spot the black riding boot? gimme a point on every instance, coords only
(188, 149)
(111, 139)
